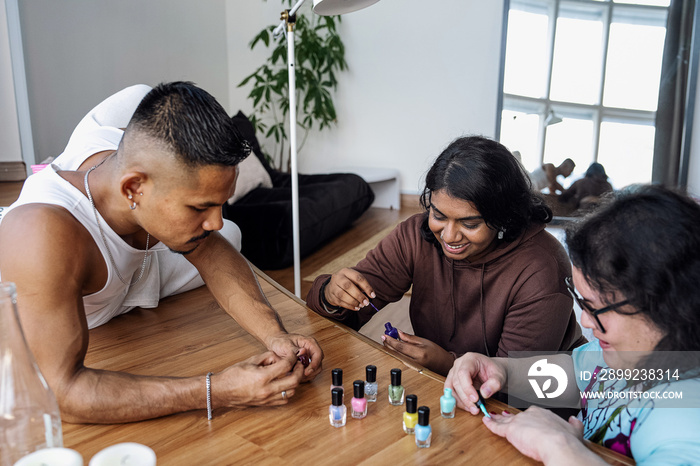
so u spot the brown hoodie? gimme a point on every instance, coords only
(512, 299)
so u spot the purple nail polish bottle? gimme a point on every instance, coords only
(391, 331)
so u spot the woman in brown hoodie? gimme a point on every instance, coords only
(486, 275)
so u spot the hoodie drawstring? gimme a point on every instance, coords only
(483, 311)
(454, 307)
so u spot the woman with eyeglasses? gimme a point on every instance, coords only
(636, 276)
(485, 274)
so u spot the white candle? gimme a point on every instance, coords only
(125, 454)
(52, 457)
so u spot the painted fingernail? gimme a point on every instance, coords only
(506, 412)
(372, 295)
(493, 413)
(365, 303)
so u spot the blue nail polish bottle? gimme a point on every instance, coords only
(337, 412)
(448, 404)
(423, 431)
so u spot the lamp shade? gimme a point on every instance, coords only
(340, 7)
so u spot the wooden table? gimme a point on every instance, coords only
(190, 335)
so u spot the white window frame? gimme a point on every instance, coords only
(597, 113)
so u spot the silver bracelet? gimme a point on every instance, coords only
(209, 395)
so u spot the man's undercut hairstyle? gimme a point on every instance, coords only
(191, 123)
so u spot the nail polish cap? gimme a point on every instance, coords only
(337, 377)
(448, 393)
(411, 403)
(396, 377)
(337, 396)
(358, 389)
(371, 372)
(424, 416)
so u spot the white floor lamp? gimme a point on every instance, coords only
(323, 8)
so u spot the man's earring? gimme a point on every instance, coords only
(131, 197)
(501, 232)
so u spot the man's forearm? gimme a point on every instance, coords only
(105, 397)
(233, 283)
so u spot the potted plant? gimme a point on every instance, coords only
(320, 55)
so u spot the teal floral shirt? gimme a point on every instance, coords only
(653, 425)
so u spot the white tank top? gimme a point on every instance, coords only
(47, 187)
(539, 179)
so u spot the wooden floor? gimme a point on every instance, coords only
(371, 222)
(9, 191)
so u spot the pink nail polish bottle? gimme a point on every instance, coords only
(358, 402)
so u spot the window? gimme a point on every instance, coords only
(593, 65)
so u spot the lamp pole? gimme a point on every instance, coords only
(289, 21)
(323, 7)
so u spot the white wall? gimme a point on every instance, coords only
(10, 148)
(419, 77)
(78, 52)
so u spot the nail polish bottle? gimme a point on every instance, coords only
(337, 380)
(358, 402)
(391, 331)
(396, 389)
(371, 385)
(410, 417)
(337, 412)
(423, 431)
(448, 404)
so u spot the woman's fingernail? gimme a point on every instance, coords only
(493, 413)
(506, 412)
(365, 303)
(373, 295)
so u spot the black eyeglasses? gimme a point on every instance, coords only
(586, 307)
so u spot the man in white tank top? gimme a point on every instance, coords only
(123, 218)
(546, 176)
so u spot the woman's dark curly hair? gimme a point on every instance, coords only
(644, 243)
(484, 172)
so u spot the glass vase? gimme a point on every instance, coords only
(29, 416)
